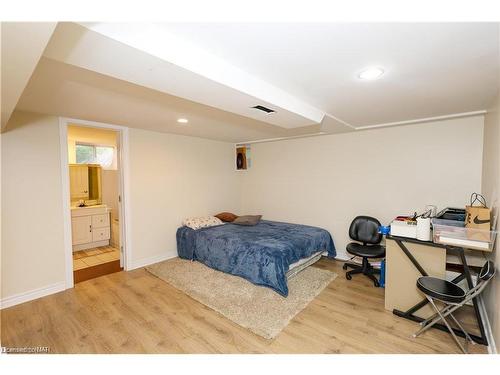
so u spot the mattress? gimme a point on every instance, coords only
(263, 254)
(302, 264)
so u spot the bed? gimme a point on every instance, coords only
(263, 254)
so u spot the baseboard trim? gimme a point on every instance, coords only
(342, 255)
(492, 348)
(32, 295)
(138, 263)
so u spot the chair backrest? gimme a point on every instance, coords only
(365, 229)
(485, 275)
(487, 271)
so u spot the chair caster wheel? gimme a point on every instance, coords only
(376, 284)
(344, 266)
(348, 277)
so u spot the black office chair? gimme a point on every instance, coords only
(365, 230)
(452, 297)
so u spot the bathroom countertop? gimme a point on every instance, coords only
(87, 207)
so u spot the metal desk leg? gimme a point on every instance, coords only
(412, 258)
(408, 314)
(470, 284)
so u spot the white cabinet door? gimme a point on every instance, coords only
(79, 181)
(81, 227)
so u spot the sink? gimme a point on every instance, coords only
(98, 209)
(86, 207)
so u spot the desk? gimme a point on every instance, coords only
(406, 260)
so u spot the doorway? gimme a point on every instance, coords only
(93, 163)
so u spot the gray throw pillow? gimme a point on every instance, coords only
(247, 220)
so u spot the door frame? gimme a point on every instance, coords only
(124, 191)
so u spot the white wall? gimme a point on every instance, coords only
(0, 213)
(490, 189)
(173, 177)
(326, 181)
(0, 173)
(111, 190)
(32, 221)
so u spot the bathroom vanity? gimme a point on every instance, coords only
(90, 227)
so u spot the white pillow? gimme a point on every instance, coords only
(202, 222)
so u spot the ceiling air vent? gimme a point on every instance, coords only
(263, 109)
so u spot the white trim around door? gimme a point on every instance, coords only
(124, 192)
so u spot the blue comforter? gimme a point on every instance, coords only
(262, 254)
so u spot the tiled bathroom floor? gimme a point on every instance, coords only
(95, 256)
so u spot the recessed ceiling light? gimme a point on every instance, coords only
(371, 73)
(182, 120)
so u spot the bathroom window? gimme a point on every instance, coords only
(94, 154)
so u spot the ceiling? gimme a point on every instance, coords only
(70, 91)
(149, 75)
(432, 69)
(22, 46)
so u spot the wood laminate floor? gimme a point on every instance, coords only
(135, 312)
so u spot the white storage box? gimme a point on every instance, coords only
(470, 238)
(404, 228)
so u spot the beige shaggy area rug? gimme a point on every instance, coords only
(258, 309)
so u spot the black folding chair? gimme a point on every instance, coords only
(453, 297)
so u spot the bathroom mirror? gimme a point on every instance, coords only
(85, 184)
